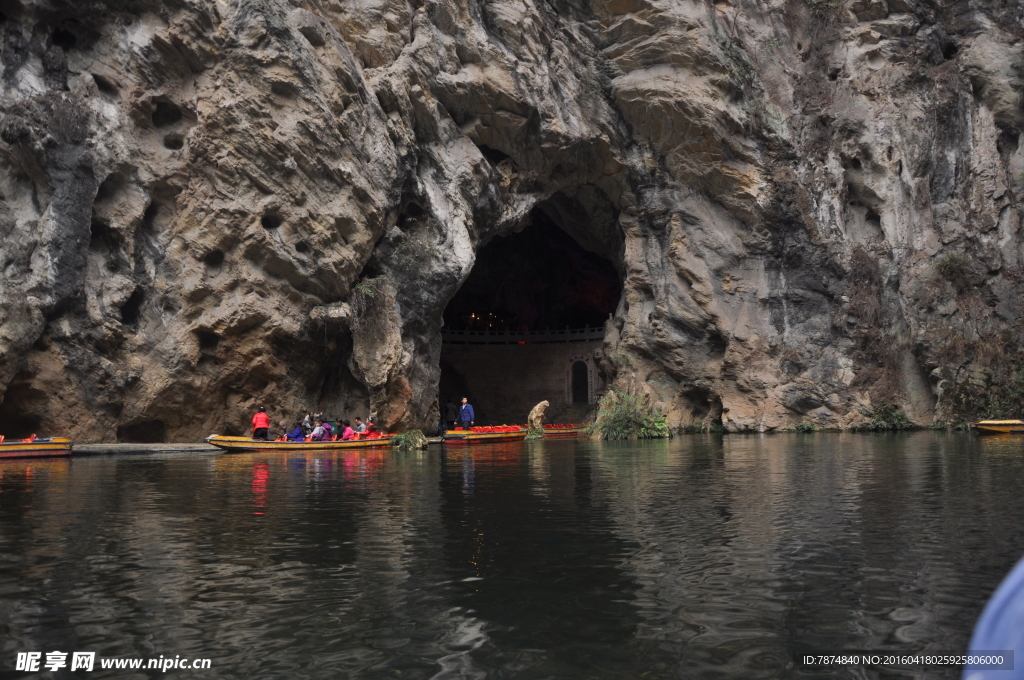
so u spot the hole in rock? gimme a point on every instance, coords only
(132, 308)
(174, 142)
(313, 36)
(149, 216)
(104, 85)
(165, 113)
(283, 89)
(146, 432)
(271, 221)
(208, 341)
(64, 39)
(493, 155)
(214, 258)
(102, 238)
(873, 217)
(301, 247)
(1007, 141)
(114, 182)
(527, 324)
(949, 50)
(799, 47)
(717, 344)
(19, 411)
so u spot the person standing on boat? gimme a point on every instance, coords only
(260, 424)
(466, 414)
(451, 415)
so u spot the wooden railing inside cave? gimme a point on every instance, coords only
(586, 334)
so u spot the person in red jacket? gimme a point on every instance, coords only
(260, 424)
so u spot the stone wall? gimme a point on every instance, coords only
(503, 382)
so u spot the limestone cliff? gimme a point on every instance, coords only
(209, 204)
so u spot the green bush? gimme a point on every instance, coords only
(628, 416)
(411, 439)
(805, 427)
(888, 416)
(955, 268)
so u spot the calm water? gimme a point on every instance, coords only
(699, 557)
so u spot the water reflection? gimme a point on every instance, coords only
(699, 557)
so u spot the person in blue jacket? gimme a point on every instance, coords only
(466, 414)
(1001, 629)
(297, 435)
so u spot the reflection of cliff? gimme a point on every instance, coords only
(811, 209)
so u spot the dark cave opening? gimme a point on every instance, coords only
(132, 308)
(165, 113)
(64, 39)
(528, 324)
(147, 432)
(535, 279)
(18, 418)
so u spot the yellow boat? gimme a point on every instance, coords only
(37, 448)
(999, 426)
(242, 444)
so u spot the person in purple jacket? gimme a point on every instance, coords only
(999, 630)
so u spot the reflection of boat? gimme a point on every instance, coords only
(999, 426)
(482, 435)
(559, 430)
(36, 448)
(240, 444)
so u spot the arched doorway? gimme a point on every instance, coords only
(580, 383)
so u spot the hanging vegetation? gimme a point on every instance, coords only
(628, 416)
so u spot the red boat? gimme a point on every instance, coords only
(483, 435)
(560, 430)
(50, 447)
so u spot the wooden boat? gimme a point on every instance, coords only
(242, 444)
(999, 426)
(553, 430)
(50, 447)
(484, 435)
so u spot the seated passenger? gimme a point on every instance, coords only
(297, 435)
(360, 426)
(347, 434)
(319, 433)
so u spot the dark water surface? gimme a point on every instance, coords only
(700, 557)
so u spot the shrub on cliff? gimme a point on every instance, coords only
(628, 416)
(411, 439)
(888, 417)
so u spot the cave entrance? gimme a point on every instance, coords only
(527, 324)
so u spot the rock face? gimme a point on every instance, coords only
(209, 205)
